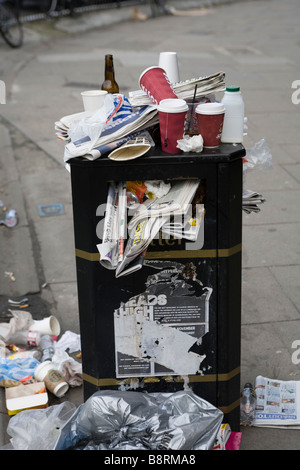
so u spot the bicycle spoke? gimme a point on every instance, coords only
(10, 26)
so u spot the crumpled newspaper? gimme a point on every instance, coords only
(191, 143)
(20, 321)
(67, 365)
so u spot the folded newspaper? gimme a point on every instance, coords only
(277, 403)
(185, 90)
(91, 135)
(117, 132)
(251, 201)
(147, 220)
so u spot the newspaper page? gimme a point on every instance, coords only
(176, 201)
(180, 226)
(141, 119)
(277, 403)
(124, 245)
(108, 249)
(139, 240)
(251, 201)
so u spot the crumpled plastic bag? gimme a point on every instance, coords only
(191, 143)
(67, 365)
(14, 370)
(118, 420)
(69, 340)
(258, 157)
(157, 188)
(69, 368)
(38, 429)
(90, 128)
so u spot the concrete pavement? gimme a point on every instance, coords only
(256, 44)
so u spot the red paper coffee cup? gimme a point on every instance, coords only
(210, 117)
(172, 113)
(155, 83)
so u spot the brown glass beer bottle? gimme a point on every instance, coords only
(109, 84)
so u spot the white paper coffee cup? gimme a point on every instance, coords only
(93, 99)
(169, 62)
(172, 105)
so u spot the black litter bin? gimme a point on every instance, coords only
(185, 302)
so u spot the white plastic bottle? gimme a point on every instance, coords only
(233, 126)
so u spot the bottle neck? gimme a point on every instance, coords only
(109, 69)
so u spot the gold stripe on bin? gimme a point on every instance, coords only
(229, 408)
(226, 409)
(107, 382)
(174, 254)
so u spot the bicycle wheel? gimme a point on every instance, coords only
(48, 6)
(10, 26)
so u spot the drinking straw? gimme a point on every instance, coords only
(192, 110)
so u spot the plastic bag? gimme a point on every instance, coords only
(258, 157)
(19, 321)
(140, 421)
(39, 429)
(14, 370)
(90, 128)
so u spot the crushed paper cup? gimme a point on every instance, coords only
(155, 82)
(48, 326)
(133, 148)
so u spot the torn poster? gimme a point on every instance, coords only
(156, 330)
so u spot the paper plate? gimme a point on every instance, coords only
(134, 148)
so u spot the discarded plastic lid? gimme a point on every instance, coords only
(210, 108)
(42, 370)
(61, 389)
(172, 105)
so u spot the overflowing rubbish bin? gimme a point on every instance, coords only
(174, 323)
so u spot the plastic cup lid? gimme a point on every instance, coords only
(172, 105)
(210, 108)
(43, 366)
(61, 389)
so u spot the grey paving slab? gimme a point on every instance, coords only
(270, 358)
(65, 294)
(274, 179)
(288, 277)
(56, 244)
(293, 170)
(258, 306)
(278, 207)
(16, 254)
(17, 258)
(269, 245)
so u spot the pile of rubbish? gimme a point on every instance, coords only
(33, 361)
(124, 421)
